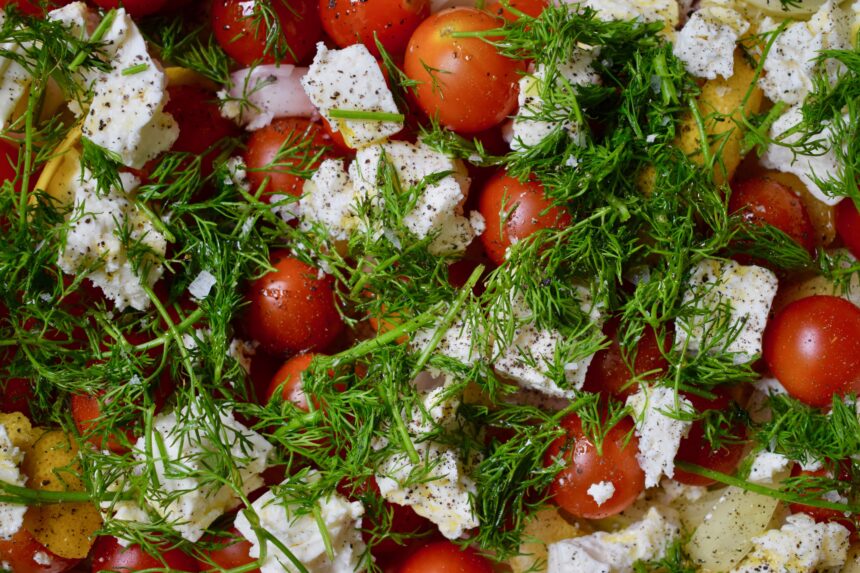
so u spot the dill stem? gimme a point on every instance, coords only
(764, 126)
(317, 513)
(366, 115)
(399, 425)
(97, 36)
(171, 328)
(25, 496)
(667, 88)
(705, 146)
(24, 194)
(359, 285)
(156, 221)
(159, 340)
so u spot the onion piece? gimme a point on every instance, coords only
(272, 90)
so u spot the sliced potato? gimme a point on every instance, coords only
(852, 564)
(546, 526)
(798, 9)
(56, 177)
(18, 429)
(178, 76)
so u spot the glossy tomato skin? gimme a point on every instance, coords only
(32, 7)
(233, 552)
(445, 557)
(821, 514)
(391, 21)
(474, 87)
(585, 467)
(19, 550)
(762, 200)
(813, 348)
(532, 8)
(279, 174)
(609, 370)
(848, 225)
(109, 556)
(695, 449)
(292, 309)
(513, 210)
(243, 35)
(289, 379)
(85, 412)
(136, 8)
(15, 396)
(8, 160)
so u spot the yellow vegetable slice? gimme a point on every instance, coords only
(546, 526)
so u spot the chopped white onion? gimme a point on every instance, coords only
(274, 91)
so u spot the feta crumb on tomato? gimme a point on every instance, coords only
(726, 294)
(11, 514)
(191, 442)
(767, 466)
(602, 552)
(799, 546)
(601, 492)
(94, 240)
(126, 116)
(351, 80)
(655, 413)
(298, 529)
(706, 44)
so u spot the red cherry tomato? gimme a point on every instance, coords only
(445, 557)
(15, 396)
(464, 82)
(20, 551)
(695, 448)
(136, 8)
(813, 348)
(586, 467)
(762, 200)
(610, 371)
(532, 8)
(268, 150)
(289, 380)
(515, 210)
(391, 21)
(86, 411)
(821, 514)
(848, 225)
(242, 30)
(33, 7)
(292, 309)
(109, 555)
(8, 160)
(232, 551)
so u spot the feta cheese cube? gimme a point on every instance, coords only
(601, 492)
(11, 514)
(14, 83)
(748, 291)
(645, 10)
(706, 44)
(299, 532)
(799, 546)
(330, 199)
(767, 466)
(201, 285)
(659, 433)
(351, 80)
(191, 441)
(126, 116)
(602, 552)
(458, 342)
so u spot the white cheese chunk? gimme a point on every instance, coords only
(351, 80)
(706, 44)
(458, 342)
(748, 290)
(299, 531)
(822, 165)
(126, 116)
(14, 83)
(178, 493)
(603, 552)
(329, 199)
(94, 240)
(11, 514)
(202, 285)
(659, 433)
(645, 10)
(799, 546)
(601, 492)
(767, 466)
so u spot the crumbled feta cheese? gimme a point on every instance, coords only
(97, 224)
(659, 434)
(791, 65)
(706, 44)
(800, 546)
(350, 79)
(673, 490)
(242, 352)
(189, 502)
(645, 10)
(126, 116)
(11, 515)
(767, 466)
(299, 531)
(201, 285)
(822, 165)
(42, 558)
(603, 552)
(457, 342)
(748, 290)
(531, 356)
(528, 132)
(601, 492)
(237, 173)
(329, 199)
(14, 83)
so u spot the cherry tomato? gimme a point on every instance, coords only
(813, 348)
(445, 557)
(822, 514)
(532, 8)
(391, 21)
(270, 159)
(610, 370)
(335, 136)
(762, 200)
(464, 82)
(136, 8)
(289, 380)
(15, 396)
(86, 411)
(20, 552)
(109, 555)
(695, 448)
(242, 29)
(292, 309)
(232, 551)
(586, 467)
(848, 225)
(515, 210)
(32, 7)
(8, 160)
